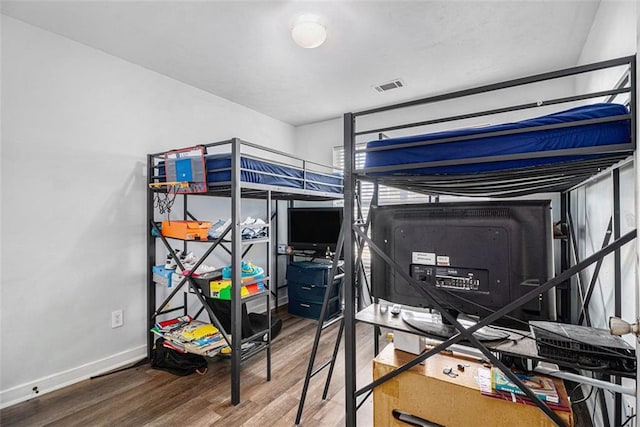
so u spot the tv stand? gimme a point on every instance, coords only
(434, 324)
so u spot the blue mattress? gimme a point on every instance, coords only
(521, 144)
(218, 167)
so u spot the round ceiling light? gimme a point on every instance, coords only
(308, 32)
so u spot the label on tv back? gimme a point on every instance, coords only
(424, 258)
(443, 260)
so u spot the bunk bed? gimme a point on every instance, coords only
(557, 152)
(237, 170)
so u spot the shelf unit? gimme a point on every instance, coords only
(237, 188)
(563, 179)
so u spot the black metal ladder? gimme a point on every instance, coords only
(323, 324)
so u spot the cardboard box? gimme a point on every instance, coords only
(186, 230)
(425, 391)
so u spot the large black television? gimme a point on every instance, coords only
(473, 257)
(314, 229)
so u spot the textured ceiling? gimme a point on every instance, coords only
(242, 51)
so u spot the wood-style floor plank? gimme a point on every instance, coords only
(143, 396)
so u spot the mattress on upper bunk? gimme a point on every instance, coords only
(259, 171)
(572, 137)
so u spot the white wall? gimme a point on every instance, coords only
(76, 127)
(613, 34)
(316, 141)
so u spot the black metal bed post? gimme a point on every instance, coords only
(633, 100)
(349, 302)
(633, 82)
(273, 247)
(632, 104)
(269, 284)
(617, 287)
(151, 252)
(377, 332)
(565, 289)
(236, 271)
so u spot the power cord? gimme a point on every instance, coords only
(629, 418)
(584, 398)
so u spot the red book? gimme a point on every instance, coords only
(170, 322)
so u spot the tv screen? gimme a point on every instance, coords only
(314, 229)
(490, 253)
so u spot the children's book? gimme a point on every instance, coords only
(543, 387)
(194, 331)
(170, 324)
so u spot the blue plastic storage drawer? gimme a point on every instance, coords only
(309, 273)
(308, 292)
(311, 310)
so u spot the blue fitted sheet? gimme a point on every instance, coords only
(579, 136)
(218, 167)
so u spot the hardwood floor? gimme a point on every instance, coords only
(143, 396)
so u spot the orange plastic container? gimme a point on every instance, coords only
(186, 230)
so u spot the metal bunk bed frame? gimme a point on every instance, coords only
(236, 189)
(509, 184)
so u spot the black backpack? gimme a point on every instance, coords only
(170, 360)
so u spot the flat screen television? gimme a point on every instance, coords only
(314, 229)
(473, 257)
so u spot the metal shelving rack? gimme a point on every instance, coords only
(502, 184)
(236, 189)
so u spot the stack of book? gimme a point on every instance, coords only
(543, 387)
(192, 336)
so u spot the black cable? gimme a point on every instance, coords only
(584, 398)
(126, 368)
(627, 420)
(573, 390)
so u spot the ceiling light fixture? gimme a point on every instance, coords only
(308, 32)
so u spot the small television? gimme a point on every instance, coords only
(314, 229)
(472, 257)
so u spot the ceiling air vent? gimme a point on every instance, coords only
(393, 84)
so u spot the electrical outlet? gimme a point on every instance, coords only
(629, 406)
(117, 318)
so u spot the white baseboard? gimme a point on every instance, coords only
(59, 380)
